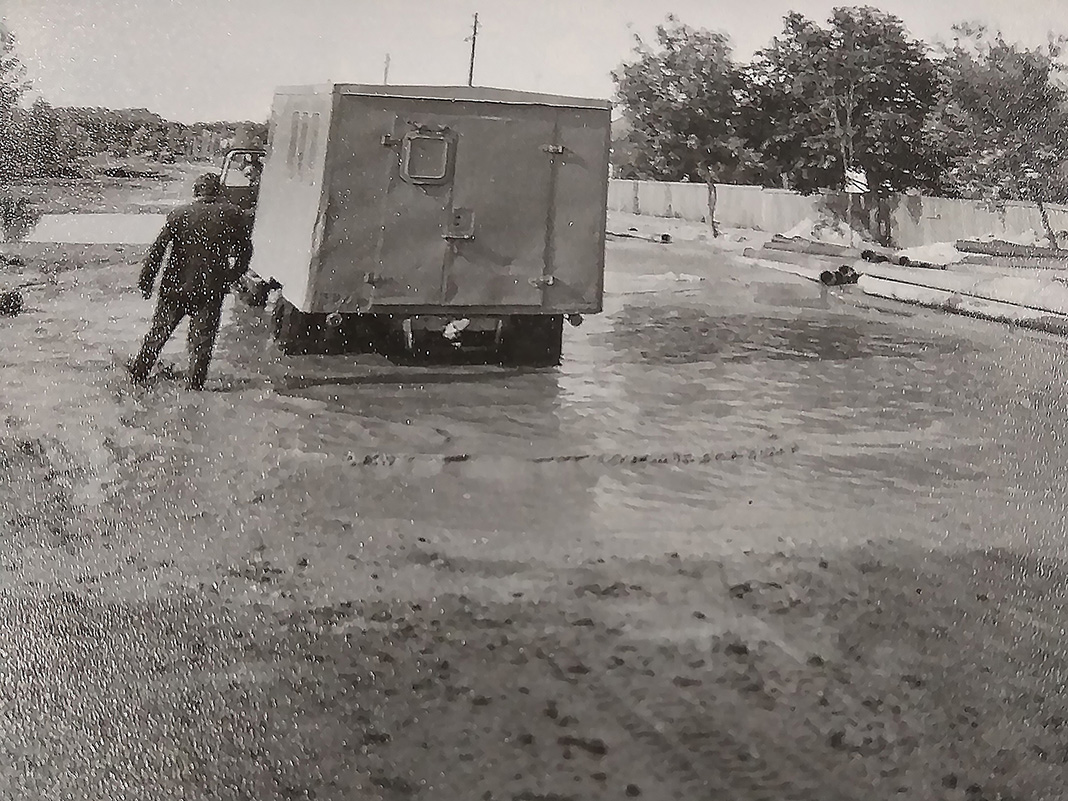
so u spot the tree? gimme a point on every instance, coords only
(680, 104)
(13, 86)
(855, 94)
(42, 146)
(1004, 119)
(139, 143)
(250, 135)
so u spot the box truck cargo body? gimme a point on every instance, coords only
(407, 212)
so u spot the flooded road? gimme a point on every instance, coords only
(873, 408)
(753, 539)
(95, 229)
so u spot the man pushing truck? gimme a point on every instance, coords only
(401, 220)
(203, 237)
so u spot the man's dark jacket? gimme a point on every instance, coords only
(203, 235)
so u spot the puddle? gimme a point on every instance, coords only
(716, 371)
(95, 229)
(661, 334)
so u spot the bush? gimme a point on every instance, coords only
(17, 215)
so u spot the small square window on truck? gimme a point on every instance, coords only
(426, 158)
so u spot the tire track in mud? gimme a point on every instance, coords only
(726, 763)
(652, 737)
(607, 459)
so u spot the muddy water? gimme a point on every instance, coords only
(786, 418)
(712, 406)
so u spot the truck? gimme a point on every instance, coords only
(414, 220)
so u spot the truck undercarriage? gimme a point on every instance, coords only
(517, 340)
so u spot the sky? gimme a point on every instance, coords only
(199, 60)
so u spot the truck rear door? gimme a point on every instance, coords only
(502, 199)
(412, 246)
(576, 230)
(468, 212)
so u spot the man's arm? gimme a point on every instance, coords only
(241, 247)
(154, 257)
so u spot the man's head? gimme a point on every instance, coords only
(254, 171)
(207, 186)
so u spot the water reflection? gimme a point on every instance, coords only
(295, 383)
(454, 446)
(89, 229)
(684, 334)
(884, 412)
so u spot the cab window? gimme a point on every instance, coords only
(243, 169)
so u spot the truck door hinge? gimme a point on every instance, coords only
(390, 141)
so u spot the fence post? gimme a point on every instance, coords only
(713, 196)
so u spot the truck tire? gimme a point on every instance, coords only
(253, 290)
(357, 333)
(391, 341)
(297, 332)
(533, 340)
(304, 333)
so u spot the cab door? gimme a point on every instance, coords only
(240, 177)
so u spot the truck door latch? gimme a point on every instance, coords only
(543, 281)
(461, 226)
(556, 149)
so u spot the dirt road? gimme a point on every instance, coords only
(751, 541)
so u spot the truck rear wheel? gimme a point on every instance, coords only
(309, 333)
(533, 340)
(253, 290)
(297, 332)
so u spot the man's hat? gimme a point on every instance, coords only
(207, 185)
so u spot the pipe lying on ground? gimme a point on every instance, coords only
(1000, 247)
(660, 239)
(809, 246)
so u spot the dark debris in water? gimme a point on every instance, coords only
(129, 172)
(609, 459)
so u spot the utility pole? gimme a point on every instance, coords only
(474, 38)
(385, 72)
